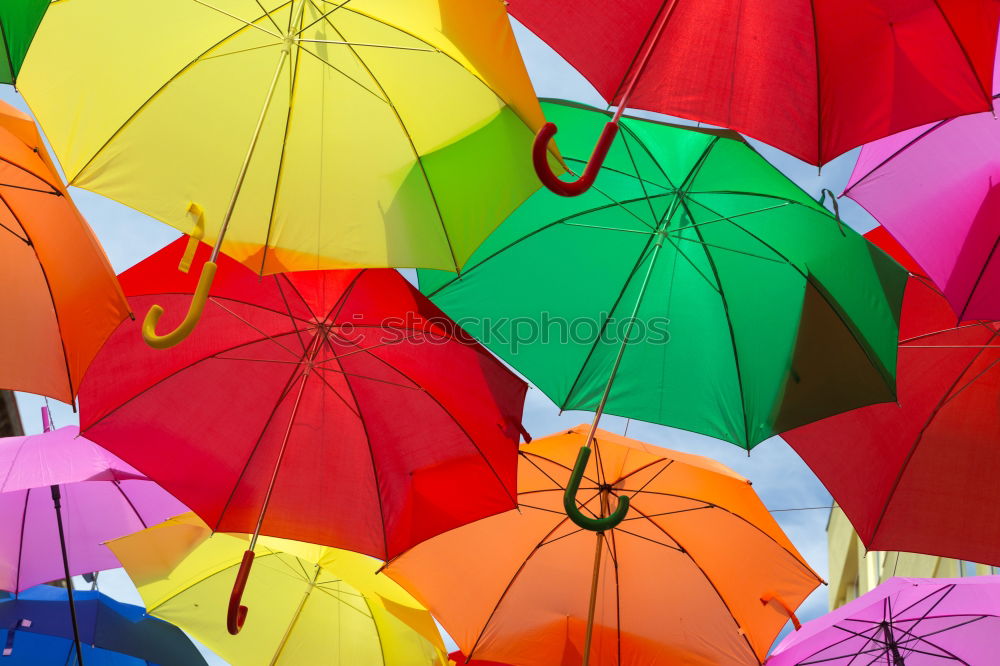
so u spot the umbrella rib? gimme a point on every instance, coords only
(872, 359)
(730, 218)
(729, 249)
(281, 157)
(323, 15)
(628, 130)
(52, 299)
(267, 424)
(291, 317)
(258, 330)
(341, 72)
(451, 416)
(269, 17)
(378, 632)
(672, 513)
(128, 501)
(371, 450)
(642, 184)
(690, 261)
(371, 379)
(732, 329)
(173, 374)
(646, 538)
(56, 188)
(510, 584)
(376, 46)
(916, 442)
(650, 479)
(469, 268)
(527, 455)
(239, 51)
(977, 618)
(626, 174)
(356, 410)
(156, 93)
(409, 140)
(960, 327)
(968, 60)
(246, 24)
(708, 579)
(795, 557)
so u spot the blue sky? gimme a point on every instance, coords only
(780, 478)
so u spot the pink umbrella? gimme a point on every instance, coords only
(102, 498)
(936, 189)
(903, 622)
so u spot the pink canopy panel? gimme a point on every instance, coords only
(936, 189)
(102, 498)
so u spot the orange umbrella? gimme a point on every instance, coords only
(698, 573)
(58, 293)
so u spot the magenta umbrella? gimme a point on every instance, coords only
(936, 189)
(102, 498)
(903, 622)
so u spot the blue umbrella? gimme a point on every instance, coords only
(35, 628)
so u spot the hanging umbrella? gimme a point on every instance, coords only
(903, 622)
(35, 631)
(293, 134)
(936, 189)
(333, 407)
(698, 574)
(61, 497)
(59, 296)
(19, 20)
(814, 78)
(695, 286)
(316, 604)
(919, 475)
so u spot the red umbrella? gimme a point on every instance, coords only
(814, 78)
(333, 407)
(920, 475)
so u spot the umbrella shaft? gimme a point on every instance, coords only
(593, 583)
(316, 344)
(652, 39)
(246, 160)
(56, 502)
(621, 351)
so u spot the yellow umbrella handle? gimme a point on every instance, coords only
(237, 613)
(197, 306)
(540, 158)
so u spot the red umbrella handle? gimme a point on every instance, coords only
(237, 613)
(540, 157)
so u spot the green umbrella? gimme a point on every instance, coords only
(19, 20)
(694, 286)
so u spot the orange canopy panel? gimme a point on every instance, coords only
(60, 298)
(698, 573)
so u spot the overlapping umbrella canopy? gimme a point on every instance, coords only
(38, 632)
(309, 601)
(699, 573)
(740, 307)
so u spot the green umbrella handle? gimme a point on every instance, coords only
(197, 306)
(569, 500)
(236, 615)
(540, 157)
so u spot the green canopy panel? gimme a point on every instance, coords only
(756, 310)
(19, 19)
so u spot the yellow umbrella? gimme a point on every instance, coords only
(313, 604)
(308, 134)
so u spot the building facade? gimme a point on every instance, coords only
(10, 420)
(854, 572)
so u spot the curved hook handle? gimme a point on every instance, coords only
(198, 301)
(237, 614)
(569, 500)
(540, 158)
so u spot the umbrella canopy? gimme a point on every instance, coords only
(682, 581)
(334, 407)
(58, 293)
(459, 659)
(936, 189)
(747, 309)
(391, 129)
(102, 498)
(19, 20)
(814, 78)
(903, 471)
(903, 622)
(38, 632)
(314, 601)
